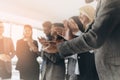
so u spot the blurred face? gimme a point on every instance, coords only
(27, 32)
(1, 28)
(47, 30)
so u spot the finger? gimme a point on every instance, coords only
(65, 23)
(60, 34)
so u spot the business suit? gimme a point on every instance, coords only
(8, 49)
(27, 61)
(103, 38)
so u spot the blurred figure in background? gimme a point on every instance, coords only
(6, 53)
(26, 52)
(47, 31)
(54, 66)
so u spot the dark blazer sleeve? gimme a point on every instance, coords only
(55, 58)
(107, 20)
(18, 47)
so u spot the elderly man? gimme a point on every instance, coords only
(103, 37)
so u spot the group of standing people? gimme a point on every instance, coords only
(79, 67)
(102, 37)
(26, 52)
(90, 44)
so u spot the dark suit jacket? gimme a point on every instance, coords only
(27, 59)
(87, 67)
(103, 38)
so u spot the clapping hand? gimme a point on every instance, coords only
(32, 45)
(51, 48)
(5, 58)
(43, 41)
(67, 34)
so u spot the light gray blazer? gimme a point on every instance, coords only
(103, 38)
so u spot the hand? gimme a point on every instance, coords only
(55, 31)
(51, 48)
(43, 41)
(73, 26)
(67, 34)
(32, 46)
(5, 58)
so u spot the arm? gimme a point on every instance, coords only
(105, 23)
(18, 49)
(12, 50)
(55, 58)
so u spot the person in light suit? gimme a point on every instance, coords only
(102, 37)
(6, 54)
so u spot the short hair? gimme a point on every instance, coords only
(27, 26)
(78, 22)
(89, 11)
(58, 24)
(47, 24)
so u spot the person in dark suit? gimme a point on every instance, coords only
(26, 52)
(103, 37)
(6, 54)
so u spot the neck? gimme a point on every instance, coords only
(27, 39)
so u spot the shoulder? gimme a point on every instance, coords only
(7, 39)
